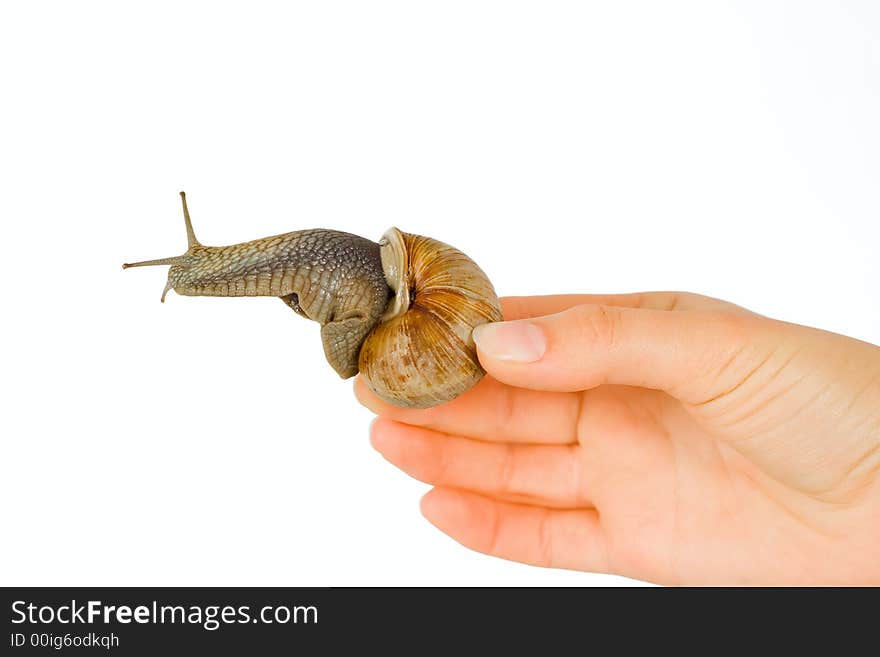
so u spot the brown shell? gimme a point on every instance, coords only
(424, 354)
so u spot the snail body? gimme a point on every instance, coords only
(400, 311)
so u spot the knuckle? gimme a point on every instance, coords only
(728, 332)
(680, 300)
(507, 472)
(597, 325)
(545, 540)
(507, 413)
(739, 342)
(673, 300)
(491, 543)
(733, 329)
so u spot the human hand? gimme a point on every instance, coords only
(661, 436)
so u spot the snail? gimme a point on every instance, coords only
(400, 311)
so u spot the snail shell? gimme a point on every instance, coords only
(422, 353)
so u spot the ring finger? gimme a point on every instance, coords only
(549, 475)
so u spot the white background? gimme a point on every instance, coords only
(725, 148)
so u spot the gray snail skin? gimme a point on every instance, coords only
(400, 311)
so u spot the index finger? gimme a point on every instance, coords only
(538, 306)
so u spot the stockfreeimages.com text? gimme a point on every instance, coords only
(211, 617)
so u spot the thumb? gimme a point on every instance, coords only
(590, 345)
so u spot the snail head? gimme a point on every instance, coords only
(179, 264)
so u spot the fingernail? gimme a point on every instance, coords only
(516, 342)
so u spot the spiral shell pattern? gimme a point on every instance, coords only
(423, 354)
